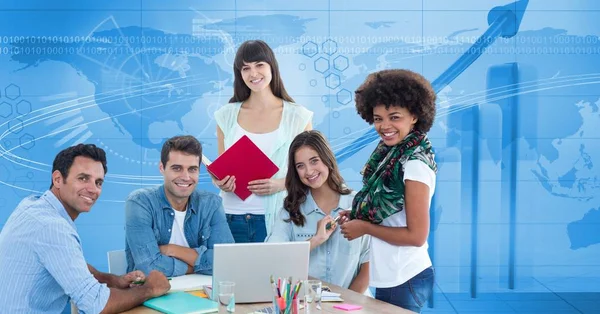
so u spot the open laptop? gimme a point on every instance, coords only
(250, 266)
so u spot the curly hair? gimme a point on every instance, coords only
(401, 88)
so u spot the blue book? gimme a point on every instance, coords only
(182, 303)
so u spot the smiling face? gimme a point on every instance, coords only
(257, 75)
(180, 176)
(393, 123)
(310, 168)
(81, 188)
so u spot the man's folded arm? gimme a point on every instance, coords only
(220, 233)
(143, 244)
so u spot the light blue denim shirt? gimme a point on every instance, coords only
(42, 263)
(148, 222)
(336, 261)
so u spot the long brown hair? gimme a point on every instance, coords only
(296, 190)
(256, 51)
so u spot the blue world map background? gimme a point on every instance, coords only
(127, 76)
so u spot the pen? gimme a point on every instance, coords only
(329, 224)
(275, 289)
(279, 287)
(141, 282)
(297, 289)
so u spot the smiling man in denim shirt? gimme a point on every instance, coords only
(174, 227)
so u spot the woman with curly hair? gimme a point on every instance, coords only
(399, 182)
(317, 193)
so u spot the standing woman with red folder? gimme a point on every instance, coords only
(262, 110)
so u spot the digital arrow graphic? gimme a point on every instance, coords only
(503, 21)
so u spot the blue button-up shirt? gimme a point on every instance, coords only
(336, 261)
(42, 263)
(148, 223)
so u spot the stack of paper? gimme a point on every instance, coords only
(190, 282)
(199, 293)
(327, 296)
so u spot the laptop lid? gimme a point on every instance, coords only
(250, 266)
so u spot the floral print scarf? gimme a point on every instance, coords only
(382, 194)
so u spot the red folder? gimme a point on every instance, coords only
(246, 162)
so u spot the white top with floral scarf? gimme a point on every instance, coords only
(393, 265)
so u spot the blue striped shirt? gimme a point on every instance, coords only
(42, 263)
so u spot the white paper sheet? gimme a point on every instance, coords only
(327, 296)
(190, 282)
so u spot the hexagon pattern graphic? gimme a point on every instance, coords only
(329, 47)
(310, 49)
(27, 141)
(12, 91)
(344, 96)
(5, 109)
(332, 81)
(15, 126)
(340, 63)
(23, 107)
(321, 65)
(326, 63)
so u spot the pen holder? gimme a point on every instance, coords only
(281, 307)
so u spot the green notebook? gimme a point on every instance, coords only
(182, 303)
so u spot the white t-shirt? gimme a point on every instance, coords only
(254, 203)
(393, 265)
(177, 235)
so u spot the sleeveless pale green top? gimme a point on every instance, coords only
(294, 120)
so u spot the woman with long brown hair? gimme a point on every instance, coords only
(317, 193)
(262, 110)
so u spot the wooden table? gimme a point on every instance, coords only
(370, 305)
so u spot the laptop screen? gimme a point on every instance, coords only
(250, 266)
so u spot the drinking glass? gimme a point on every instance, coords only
(312, 293)
(226, 295)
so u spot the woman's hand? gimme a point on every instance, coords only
(323, 233)
(344, 216)
(266, 186)
(225, 185)
(354, 228)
